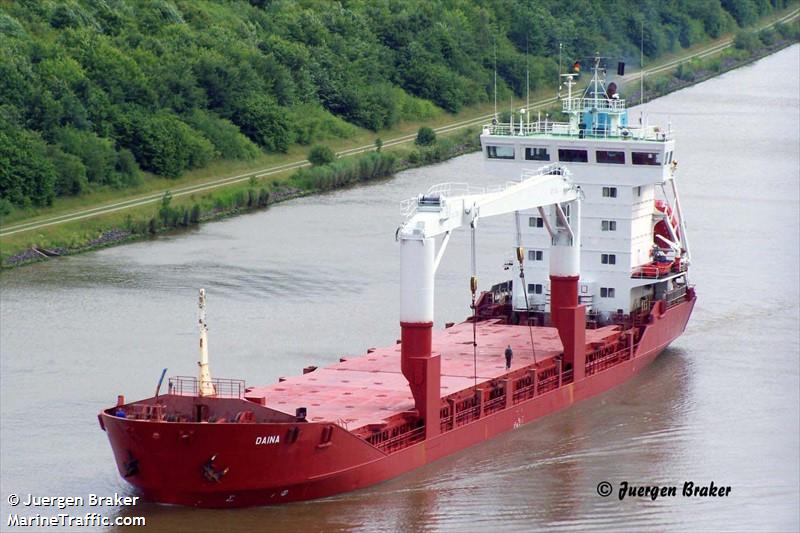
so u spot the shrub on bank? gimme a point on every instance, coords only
(321, 155)
(426, 136)
(345, 171)
(746, 40)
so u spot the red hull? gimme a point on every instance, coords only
(169, 456)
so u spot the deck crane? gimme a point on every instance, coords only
(447, 207)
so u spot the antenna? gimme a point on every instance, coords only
(511, 112)
(641, 66)
(558, 85)
(527, 76)
(495, 78)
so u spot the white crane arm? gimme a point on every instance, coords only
(438, 213)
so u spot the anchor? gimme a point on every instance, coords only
(131, 465)
(211, 473)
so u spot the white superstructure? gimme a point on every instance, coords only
(627, 176)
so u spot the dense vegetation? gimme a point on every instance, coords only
(93, 92)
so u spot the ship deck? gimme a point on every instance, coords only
(368, 389)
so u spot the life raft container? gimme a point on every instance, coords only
(661, 227)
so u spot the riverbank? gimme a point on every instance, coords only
(747, 48)
(261, 190)
(177, 214)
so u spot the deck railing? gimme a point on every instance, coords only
(675, 296)
(495, 404)
(524, 393)
(190, 386)
(565, 129)
(147, 411)
(401, 441)
(607, 361)
(547, 384)
(577, 104)
(467, 415)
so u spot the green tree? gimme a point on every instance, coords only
(27, 176)
(746, 40)
(127, 169)
(321, 154)
(6, 207)
(165, 145)
(425, 136)
(97, 154)
(70, 172)
(226, 137)
(744, 11)
(260, 118)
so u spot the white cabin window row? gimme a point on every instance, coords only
(609, 192)
(535, 255)
(536, 222)
(536, 153)
(607, 292)
(608, 259)
(500, 152)
(609, 225)
(535, 288)
(578, 155)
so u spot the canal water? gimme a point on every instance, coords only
(314, 279)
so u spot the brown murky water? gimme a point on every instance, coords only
(308, 281)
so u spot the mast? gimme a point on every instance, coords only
(641, 66)
(558, 85)
(495, 80)
(205, 386)
(527, 85)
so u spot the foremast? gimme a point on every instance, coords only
(205, 385)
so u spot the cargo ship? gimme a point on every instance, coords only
(599, 287)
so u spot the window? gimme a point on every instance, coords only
(573, 156)
(646, 158)
(609, 225)
(535, 255)
(534, 288)
(638, 191)
(536, 222)
(537, 154)
(608, 156)
(500, 152)
(609, 192)
(606, 292)
(669, 157)
(608, 259)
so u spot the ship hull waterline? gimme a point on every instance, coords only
(170, 456)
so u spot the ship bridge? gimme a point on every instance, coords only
(599, 113)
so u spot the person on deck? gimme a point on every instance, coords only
(509, 355)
